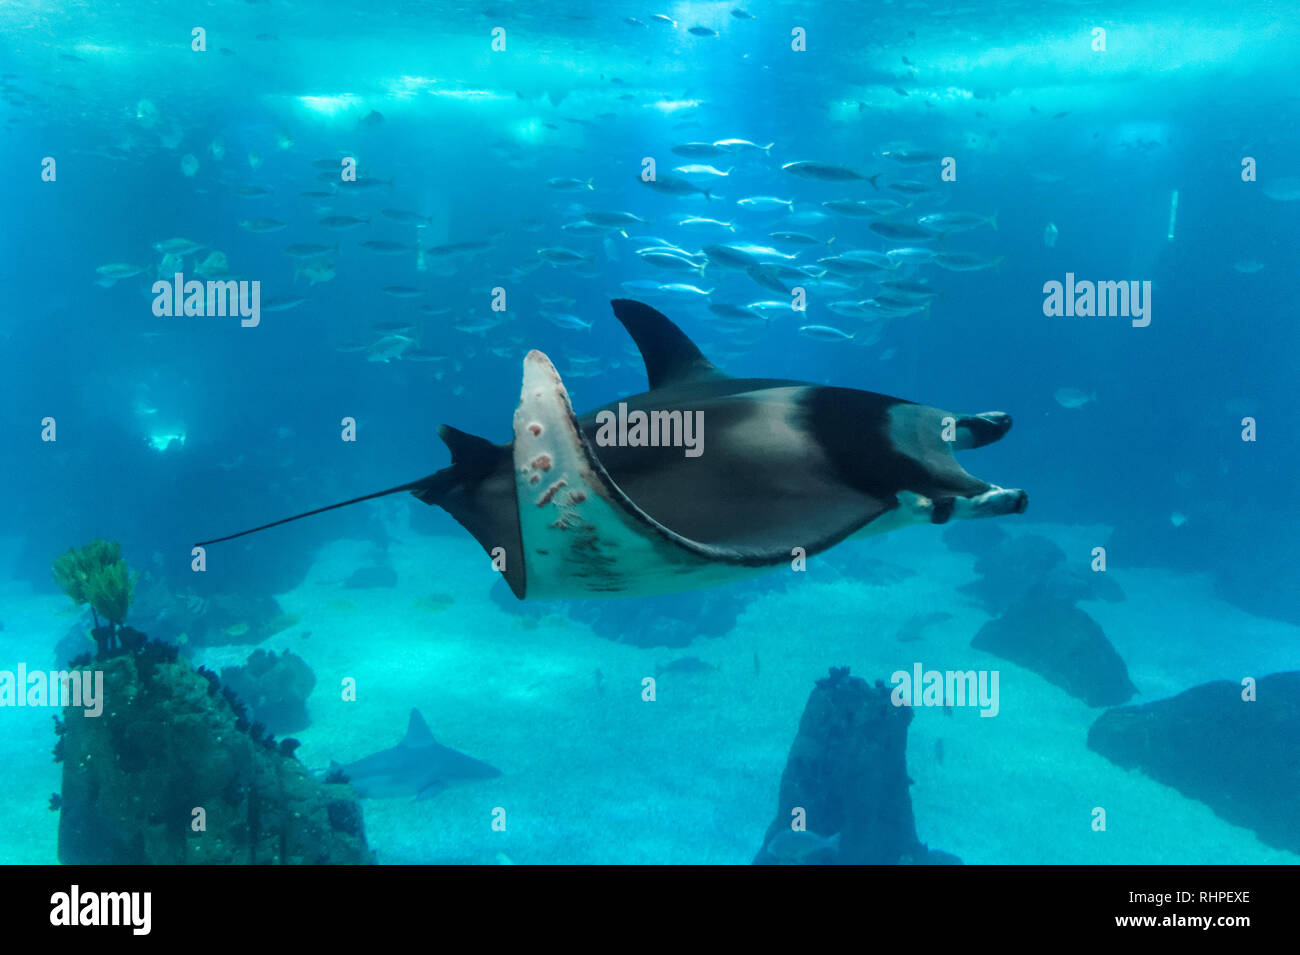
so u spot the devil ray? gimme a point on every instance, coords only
(790, 468)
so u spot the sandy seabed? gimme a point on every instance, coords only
(594, 774)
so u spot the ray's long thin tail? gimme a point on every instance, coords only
(423, 483)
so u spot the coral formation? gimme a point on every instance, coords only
(172, 741)
(274, 687)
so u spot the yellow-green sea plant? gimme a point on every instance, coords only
(97, 575)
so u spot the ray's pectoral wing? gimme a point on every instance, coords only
(581, 532)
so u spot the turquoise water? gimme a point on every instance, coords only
(1161, 151)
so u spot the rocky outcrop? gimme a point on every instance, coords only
(172, 749)
(847, 772)
(1240, 757)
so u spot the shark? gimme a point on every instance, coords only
(417, 766)
(782, 470)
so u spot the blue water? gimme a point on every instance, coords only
(175, 429)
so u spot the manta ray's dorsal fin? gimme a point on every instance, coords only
(670, 357)
(417, 732)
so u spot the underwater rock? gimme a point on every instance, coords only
(364, 577)
(169, 742)
(1242, 759)
(1026, 565)
(1012, 568)
(1063, 645)
(226, 619)
(669, 620)
(274, 688)
(848, 771)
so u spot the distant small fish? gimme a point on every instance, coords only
(213, 265)
(945, 222)
(676, 288)
(561, 256)
(1072, 397)
(388, 348)
(698, 222)
(701, 170)
(766, 204)
(864, 208)
(671, 261)
(570, 322)
(1178, 518)
(177, 246)
(584, 228)
(566, 185)
(901, 230)
(675, 186)
(342, 222)
(282, 304)
(910, 187)
(1050, 232)
(791, 846)
(614, 220)
(664, 18)
(824, 333)
(120, 270)
(452, 249)
(911, 255)
(370, 120)
(684, 665)
(261, 225)
(702, 31)
(965, 261)
(1248, 266)
(699, 150)
(799, 238)
(189, 165)
(316, 271)
(402, 291)
(912, 157)
(252, 192)
(740, 14)
(770, 307)
(733, 312)
(743, 146)
(826, 172)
